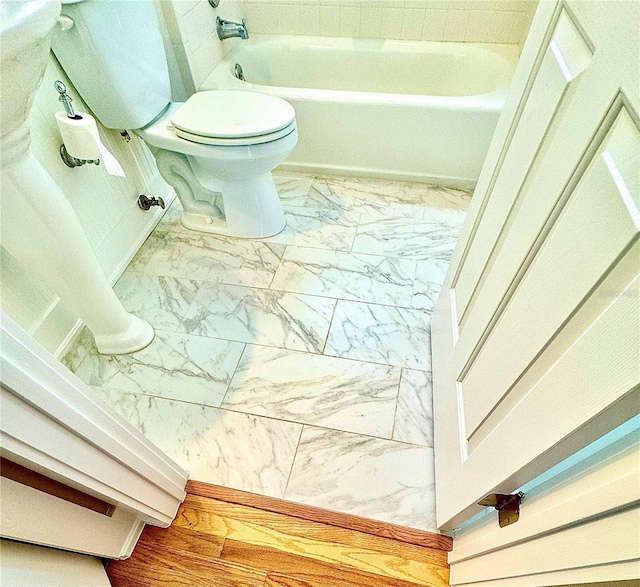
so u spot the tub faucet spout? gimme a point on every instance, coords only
(227, 29)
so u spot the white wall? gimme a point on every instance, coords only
(106, 206)
(25, 565)
(479, 21)
(192, 30)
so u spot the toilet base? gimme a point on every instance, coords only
(204, 223)
(252, 209)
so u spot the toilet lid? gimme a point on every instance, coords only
(233, 114)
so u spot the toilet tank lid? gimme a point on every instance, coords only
(232, 114)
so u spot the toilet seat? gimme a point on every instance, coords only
(233, 117)
(267, 138)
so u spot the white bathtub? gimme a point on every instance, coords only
(398, 109)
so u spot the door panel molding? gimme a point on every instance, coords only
(616, 281)
(54, 424)
(513, 114)
(603, 364)
(591, 202)
(560, 370)
(565, 57)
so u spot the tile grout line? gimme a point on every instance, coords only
(208, 283)
(395, 414)
(277, 267)
(224, 397)
(293, 461)
(326, 340)
(253, 343)
(181, 328)
(141, 394)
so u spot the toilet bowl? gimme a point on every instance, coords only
(217, 150)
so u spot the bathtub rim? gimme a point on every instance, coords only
(491, 102)
(223, 77)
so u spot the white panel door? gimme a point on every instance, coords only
(536, 334)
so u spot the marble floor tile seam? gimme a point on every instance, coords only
(405, 428)
(323, 354)
(368, 210)
(164, 274)
(221, 408)
(141, 394)
(374, 362)
(364, 436)
(443, 255)
(304, 424)
(319, 354)
(278, 267)
(349, 249)
(244, 350)
(419, 266)
(327, 251)
(372, 436)
(326, 340)
(358, 434)
(140, 272)
(335, 393)
(161, 232)
(406, 191)
(233, 313)
(293, 460)
(342, 299)
(182, 401)
(285, 236)
(407, 306)
(310, 427)
(395, 412)
(339, 299)
(221, 405)
(201, 282)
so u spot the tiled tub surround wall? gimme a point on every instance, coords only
(106, 207)
(476, 21)
(191, 26)
(296, 366)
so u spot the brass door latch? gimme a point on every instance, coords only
(508, 506)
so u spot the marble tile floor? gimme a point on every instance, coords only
(296, 366)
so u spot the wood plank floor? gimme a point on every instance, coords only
(225, 538)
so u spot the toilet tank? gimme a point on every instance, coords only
(114, 56)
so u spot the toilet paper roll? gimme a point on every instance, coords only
(82, 141)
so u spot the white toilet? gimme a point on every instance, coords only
(217, 149)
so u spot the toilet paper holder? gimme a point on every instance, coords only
(70, 160)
